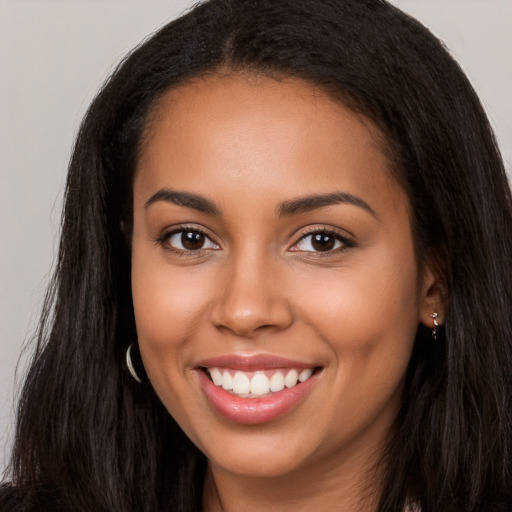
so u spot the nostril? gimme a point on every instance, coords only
(247, 323)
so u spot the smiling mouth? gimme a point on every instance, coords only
(259, 383)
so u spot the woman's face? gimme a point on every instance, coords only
(272, 252)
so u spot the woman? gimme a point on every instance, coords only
(284, 278)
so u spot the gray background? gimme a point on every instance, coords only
(55, 54)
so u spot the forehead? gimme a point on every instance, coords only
(283, 137)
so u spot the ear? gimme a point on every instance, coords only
(433, 298)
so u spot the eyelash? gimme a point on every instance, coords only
(345, 241)
(164, 241)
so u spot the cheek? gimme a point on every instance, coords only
(169, 305)
(356, 304)
(367, 320)
(166, 305)
(367, 317)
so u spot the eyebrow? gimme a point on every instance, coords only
(313, 202)
(293, 207)
(187, 199)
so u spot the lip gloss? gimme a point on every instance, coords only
(253, 411)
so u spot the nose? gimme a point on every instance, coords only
(252, 299)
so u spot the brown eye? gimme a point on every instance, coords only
(190, 240)
(321, 241)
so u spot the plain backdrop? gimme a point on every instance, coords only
(53, 57)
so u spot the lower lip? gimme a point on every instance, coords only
(253, 411)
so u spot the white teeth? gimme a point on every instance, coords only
(254, 384)
(305, 374)
(276, 382)
(216, 376)
(241, 384)
(291, 378)
(227, 381)
(260, 384)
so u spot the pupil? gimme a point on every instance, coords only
(192, 240)
(323, 242)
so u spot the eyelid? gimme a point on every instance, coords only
(168, 232)
(346, 239)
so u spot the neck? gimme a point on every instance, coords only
(352, 485)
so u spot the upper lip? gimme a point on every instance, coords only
(252, 362)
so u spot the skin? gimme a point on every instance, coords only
(249, 145)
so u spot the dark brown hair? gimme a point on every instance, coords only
(89, 438)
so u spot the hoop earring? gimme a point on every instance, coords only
(436, 325)
(129, 365)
